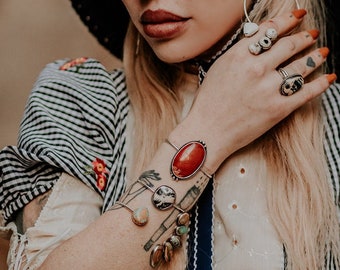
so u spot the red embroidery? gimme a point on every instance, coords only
(101, 181)
(74, 62)
(99, 166)
(99, 169)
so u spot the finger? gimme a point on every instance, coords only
(261, 42)
(307, 64)
(311, 90)
(288, 46)
(291, 76)
(282, 24)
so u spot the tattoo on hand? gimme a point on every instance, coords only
(310, 62)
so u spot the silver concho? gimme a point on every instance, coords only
(291, 84)
(164, 197)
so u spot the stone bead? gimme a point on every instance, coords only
(175, 241)
(183, 219)
(188, 160)
(140, 216)
(156, 256)
(181, 230)
(168, 251)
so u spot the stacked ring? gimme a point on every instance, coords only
(264, 43)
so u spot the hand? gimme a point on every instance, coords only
(240, 99)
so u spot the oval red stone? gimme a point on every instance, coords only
(188, 160)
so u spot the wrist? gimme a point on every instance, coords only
(215, 154)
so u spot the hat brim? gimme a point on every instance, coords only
(107, 20)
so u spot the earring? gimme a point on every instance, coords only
(297, 4)
(249, 28)
(137, 45)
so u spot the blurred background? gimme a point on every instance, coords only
(34, 33)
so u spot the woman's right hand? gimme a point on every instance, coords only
(240, 100)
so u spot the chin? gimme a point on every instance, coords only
(174, 57)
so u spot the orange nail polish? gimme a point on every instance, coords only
(314, 33)
(324, 52)
(331, 78)
(299, 13)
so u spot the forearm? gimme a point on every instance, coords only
(114, 241)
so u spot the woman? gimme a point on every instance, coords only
(230, 107)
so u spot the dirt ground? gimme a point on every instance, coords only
(34, 33)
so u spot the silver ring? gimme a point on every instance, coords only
(271, 33)
(264, 43)
(255, 48)
(291, 83)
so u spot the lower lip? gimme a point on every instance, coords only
(163, 30)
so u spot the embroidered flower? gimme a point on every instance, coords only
(99, 166)
(98, 169)
(75, 62)
(101, 181)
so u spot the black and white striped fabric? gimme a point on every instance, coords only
(331, 105)
(73, 116)
(78, 114)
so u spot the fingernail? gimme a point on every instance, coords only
(324, 52)
(299, 13)
(331, 78)
(314, 33)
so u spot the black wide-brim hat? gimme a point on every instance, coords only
(107, 20)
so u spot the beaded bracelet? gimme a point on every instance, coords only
(188, 160)
(164, 252)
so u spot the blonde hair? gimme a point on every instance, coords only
(300, 201)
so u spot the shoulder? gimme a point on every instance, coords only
(78, 103)
(79, 91)
(82, 74)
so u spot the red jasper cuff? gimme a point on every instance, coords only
(188, 160)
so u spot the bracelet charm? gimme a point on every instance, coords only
(163, 197)
(139, 216)
(164, 252)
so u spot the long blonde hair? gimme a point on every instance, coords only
(300, 201)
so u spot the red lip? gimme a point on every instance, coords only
(161, 24)
(159, 16)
